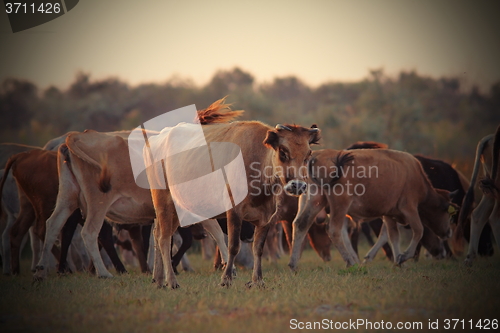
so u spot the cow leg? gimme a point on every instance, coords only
(36, 249)
(187, 241)
(337, 231)
(260, 236)
(90, 232)
(151, 247)
(288, 229)
(6, 254)
(67, 233)
(393, 233)
(166, 224)
(23, 223)
(218, 259)
(233, 233)
(214, 229)
(158, 269)
(365, 229)
(382, 239)
(164, 244)
(66, 204)
(413, 220)
(480, 216)
(146, 235)
(376, 226)
(319, 240)
(416, 256)
(354, 240)
(135, 233)
(309, 208)
(105, 239)
(78, 247)
(347, 240)
(281, 250)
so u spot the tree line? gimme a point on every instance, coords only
(436, 117)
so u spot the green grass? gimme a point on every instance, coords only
(419, 291)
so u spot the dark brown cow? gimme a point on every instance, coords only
(441, 175)
(399, 192)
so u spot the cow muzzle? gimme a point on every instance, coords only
(296, 187)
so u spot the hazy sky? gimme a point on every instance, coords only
(318, 41)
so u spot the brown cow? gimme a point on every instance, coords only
(95, 175)
(367, 184)
(488, 210)
(273, 158)
(8, 215)
(35, 173)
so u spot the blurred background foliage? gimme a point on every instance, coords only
(436, 117)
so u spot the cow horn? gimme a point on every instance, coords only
(283, 127)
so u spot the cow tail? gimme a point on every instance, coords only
(342, 159)
(217, 112)
(469, 196)
(339, 161)
(105, 176)
(104, 180)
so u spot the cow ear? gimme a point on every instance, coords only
(272, 140)
(315, 135)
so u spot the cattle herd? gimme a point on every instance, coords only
(76, 196)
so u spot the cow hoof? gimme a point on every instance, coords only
(40, 274)
(38, 278)
(400, 259)
(174, 286)
(468, 262)
(293, 268)
(258, 284)
(226, 282)
(105, 276)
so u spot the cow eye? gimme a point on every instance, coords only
(283, 156)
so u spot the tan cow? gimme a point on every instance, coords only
(488, 209)
(95, 175)
(273, 159)
(367, 184)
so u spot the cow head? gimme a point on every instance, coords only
(291, 145)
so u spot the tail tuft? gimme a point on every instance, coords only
(218, 112)
(105, 176)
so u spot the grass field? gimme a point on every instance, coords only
(418, 292)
